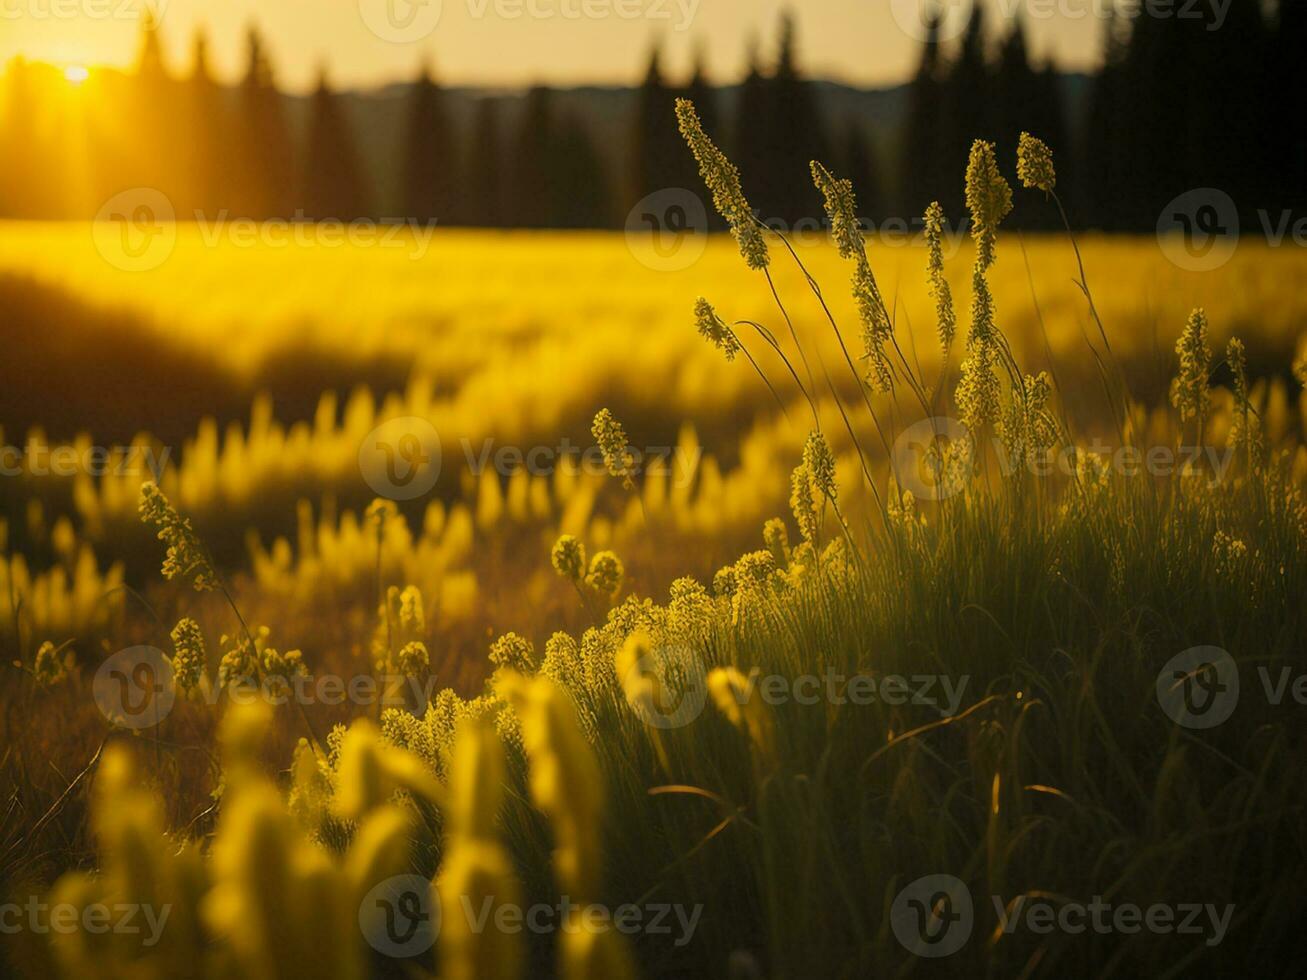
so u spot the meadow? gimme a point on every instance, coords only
(589, 630)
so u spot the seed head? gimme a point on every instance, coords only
(989, 199)
(803, 502)
(186, 557)
(714, 329)
(723, 179)
(189, 656)
(611, 437)
(841, 210)
(513, 652)
(606, 574)
(568, 557)
(819, 459)
(939, 287)
(50, 665)
(414, 660)
(1035, 164)
(1189, 391)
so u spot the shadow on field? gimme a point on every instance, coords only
(72, 367)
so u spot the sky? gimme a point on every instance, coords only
(366, 43)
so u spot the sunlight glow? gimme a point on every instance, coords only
(76, 74)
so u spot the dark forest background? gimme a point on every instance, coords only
(1176, 106)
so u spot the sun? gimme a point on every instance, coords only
(76, 74)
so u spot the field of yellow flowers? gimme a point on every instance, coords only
(494, 605)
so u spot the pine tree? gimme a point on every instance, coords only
(799, 136)
(332, 182)
(858, 164)
(206, 126)
(486, 198)
(657, 150)
(581, 192)
(921, 141)
(967, 117)
(535, 175)
(431, 166)
(752, 141)
(266, 184)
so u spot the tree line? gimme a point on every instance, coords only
(1180, 102)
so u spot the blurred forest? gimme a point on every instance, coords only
(1177, 105)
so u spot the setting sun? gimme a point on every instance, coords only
(76, 74)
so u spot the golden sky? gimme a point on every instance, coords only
(513, 42)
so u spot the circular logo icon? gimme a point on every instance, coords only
(400, 459)
(933, 916)
(676, 691)
(947, 19)
(1199, 230)
(401, 21)
(668, 230)
(399, 917)
(934, 458)
(1199, 688)
(135, 231)
(134, 687)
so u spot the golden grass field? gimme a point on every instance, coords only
(262, 369)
